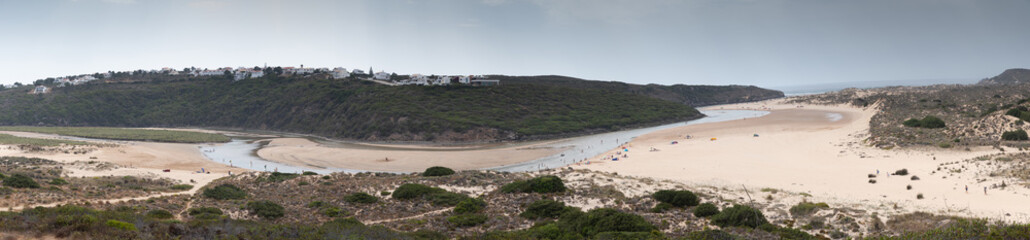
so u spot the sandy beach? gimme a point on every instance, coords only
(819, 151)
(303, 152)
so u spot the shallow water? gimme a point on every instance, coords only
(581, 148)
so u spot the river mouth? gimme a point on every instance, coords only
(241, 152)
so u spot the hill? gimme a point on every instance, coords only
(693, 95)
(1010, 76)
(347, 109)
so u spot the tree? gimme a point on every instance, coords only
(17, 84)
(1017, 135)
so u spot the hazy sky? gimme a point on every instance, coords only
(755, 42)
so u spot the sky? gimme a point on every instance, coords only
(768, 43)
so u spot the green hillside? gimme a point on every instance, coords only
(349, 109)
(693, 95)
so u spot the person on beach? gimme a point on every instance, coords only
(985, 190)
(967, 189)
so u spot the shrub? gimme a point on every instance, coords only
(602, 220)
(20, 181)
(303, 183)
(1017, 135)
(58, 181)
(446, 198)
(710, 235)
(316, 204)
(266, 209)
(308, 173)
(705, 210)
(414, 190)
(225, 192)
(204, 210)
(914, 178)
(662, 207)
(470, 205)
(678, 198)
(739, 216)
(334, 212)
(807, 208)
(437, 171)
(159, 214)
(542, 184)
(278, 177)
(901, 172)
(182, 187)
(919, 196)
(467, 220)
(545, 209)
(926, 122)
(121, 225)
(360, 197)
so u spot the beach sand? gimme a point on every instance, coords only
(817, 150)
(303, 152)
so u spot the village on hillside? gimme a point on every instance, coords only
(43, 86)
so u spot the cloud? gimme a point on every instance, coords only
(619, 12)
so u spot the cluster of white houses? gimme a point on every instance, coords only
(242, 73)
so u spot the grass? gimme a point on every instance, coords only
(124, 134)
(6, 139)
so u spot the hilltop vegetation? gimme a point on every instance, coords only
(124, 134)
(347, 109)
(1009, 76)
(693, 95)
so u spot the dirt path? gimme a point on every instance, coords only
(409, 217)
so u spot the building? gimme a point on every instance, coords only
(40, 90)
(357, 72)
(381, 75)
(339, 73)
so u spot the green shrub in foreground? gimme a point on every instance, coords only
(661, 207)
(604, 220)
(204, 210)
(678, 198)
(121, 225)
(470, 205)
(739, 216)
(542, 184)
(1017, 135)
(807, 208)
(20, 181)
(414, 190)
(710, 235)
(926, 122)
(225, 192)
(58, 181)
(360, 197)
(546, 209)
(705, 210)
(159, 214)
(266, 209)
(446, 198)
(467, 220)
(437, 171)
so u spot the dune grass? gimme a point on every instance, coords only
(6, 139)
(125, 134)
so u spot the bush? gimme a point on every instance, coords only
(1017, 135)
(901, 172)
(334, 212)
(446, 198)
(316, 204)
(182, 187)
(204, 210)
(705, 210)
(739, 216)
(919, 196)
(414, 190)
(437, 171)
(662, 207)
(278, 177)
(58, 181)
(225, 192)
(545, 209)
(121, 225)
(470, 205)
(710, 235)
(926, 122)
(542, 184)
(807, 208)
(266, 209)
(20, 181)
(467, 220)
(602, 220)
(308, 173)
(360, 198)
(159, 214)
(678, 198)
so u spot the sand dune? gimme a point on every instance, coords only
(816, 150)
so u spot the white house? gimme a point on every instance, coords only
(40, 90)
(381, 75)
(464, 79)
(303, 70)
(339, 73)
(205, 73)
(357, 72)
